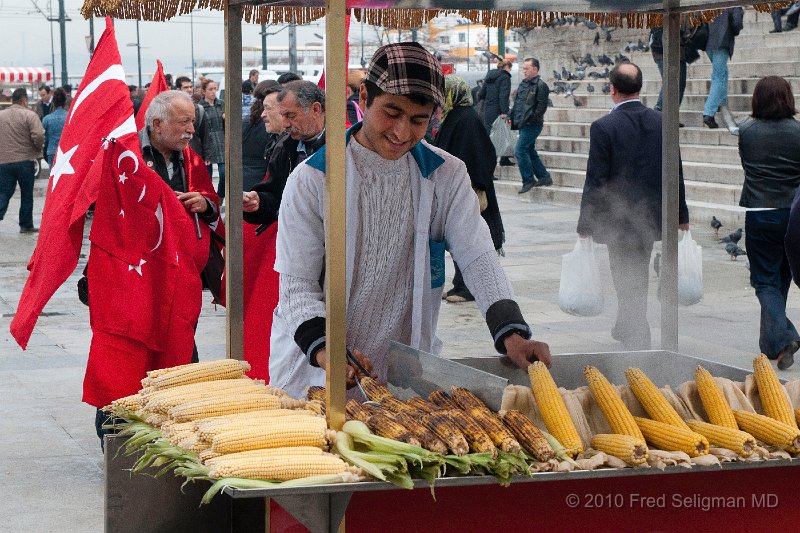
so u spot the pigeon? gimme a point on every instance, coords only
(606, 88)
(732, 238)
(556, 75)
(734, 251)
(715, 225)
(657, 264)
(597, 39)
(590, 88)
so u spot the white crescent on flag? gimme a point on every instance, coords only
(132, 156)
(114, 72)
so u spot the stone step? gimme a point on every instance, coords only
(703, 136)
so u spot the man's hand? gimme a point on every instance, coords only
(523, 352)
(193, 201)
(352, 372)
(250, 202)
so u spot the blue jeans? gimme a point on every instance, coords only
(659, 59)
(24, 173)
(770, 277)
(528, 161)
(221, 183)
(718, 95)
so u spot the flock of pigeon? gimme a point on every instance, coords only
(731, 241)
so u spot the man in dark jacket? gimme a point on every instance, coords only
(721, 34)
(528, 117)
(621, 203)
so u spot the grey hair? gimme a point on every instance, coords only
(306, 93)
(159, 106)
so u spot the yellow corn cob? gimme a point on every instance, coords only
(375, 391)
(733, 439)
(279, 468)
(448, 431)
(281, 433)
(528, 435)
(653, 401)
(717, 408)
(209, 407)
(614, 409)
(131, 403)
(356, 411)
(630, 449)
(162, 403)
(426, 437)
(769, 430)
(771, 392)
(315, 393)
(493, 426)
(420, 404)
(672, 438)
(466, 400)
(269, 452)
(208, 371)
(479, 441)
(440, 398)
(206, 431)
(553, 409)
(390, 428)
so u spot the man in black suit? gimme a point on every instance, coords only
(621, 204)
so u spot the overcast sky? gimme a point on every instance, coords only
(26, 38)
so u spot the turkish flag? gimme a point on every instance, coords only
(144, 269)
(158, 85)
(101, 109)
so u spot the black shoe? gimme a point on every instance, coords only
(786, 357)
(710, 122)
(544, 183)
(525, 188)
(29, 230)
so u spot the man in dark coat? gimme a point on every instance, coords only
(621, 204)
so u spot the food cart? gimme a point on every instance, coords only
(738, 495)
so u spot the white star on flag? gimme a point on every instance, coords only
(62, 165)
(122, 178)
(137, 268)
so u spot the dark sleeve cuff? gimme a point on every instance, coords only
(310, 337)
(504, 318)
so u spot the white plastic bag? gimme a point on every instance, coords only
(503, 139)
(690, 270)
(581, 292)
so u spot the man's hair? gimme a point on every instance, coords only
(45, 88)
(773, 99)
(59, 97)
(533, 61)
(182, 79)
(373, 91)
(160, 105)
(254, 71)
(623, 82)
(287, 77)
(306, 93)
(19, 95)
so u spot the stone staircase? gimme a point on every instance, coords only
(712, 169)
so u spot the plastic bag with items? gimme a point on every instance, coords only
(580, 292)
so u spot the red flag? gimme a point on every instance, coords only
(144, 277)
(159, 84)
(101, 109)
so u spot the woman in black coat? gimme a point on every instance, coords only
(461, 135)
(769, 145)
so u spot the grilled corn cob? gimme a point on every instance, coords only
(733, 439)
(440, 398)
(207, 371)
(308, 431)
(279, 468)
(614, 409)
(425, 436)
(528, 435)
(672, 438)
(553, 409)
(392, 404)
(316, 393)
(420, 404)
(630, 449)
(356, 411)
(771, 392)
(769, 430)
(218, 406)
(479, 441)
(375, 391)
(717, 408)
(390, 428)
(653, 401)
(444, 428)
(466, 400)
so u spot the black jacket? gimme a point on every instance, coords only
(621, 200)
(495, 92)
(462, 136)
(530, 103)
(770, 152)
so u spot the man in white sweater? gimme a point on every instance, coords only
(406, 203)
